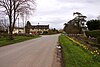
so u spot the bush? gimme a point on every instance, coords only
(98, 40)
(94, 33)
(23, 35)
(45, 32)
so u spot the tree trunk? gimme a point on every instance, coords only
(10, 20)
(10, 29)
(14, 18)
(10, 34)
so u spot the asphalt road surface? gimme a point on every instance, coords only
(32, 53)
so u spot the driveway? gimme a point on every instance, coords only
(32, 53)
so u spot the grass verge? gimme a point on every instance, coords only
(5, 41)
(75, 56)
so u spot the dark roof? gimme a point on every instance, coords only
(19, 28)
(40, 27)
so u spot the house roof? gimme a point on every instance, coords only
(40, 27)
(36, 27)
(19, 28)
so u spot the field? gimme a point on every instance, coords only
(4, 41)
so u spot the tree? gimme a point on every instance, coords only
(13, 8)
(3, 25)
(77, 13)
(27, 27)
(3, 21)
(66, 25)
(75, 25)
(79, 20)
(93, 24)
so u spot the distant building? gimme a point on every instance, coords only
(39, 29)
(33, 29)
(18, 30)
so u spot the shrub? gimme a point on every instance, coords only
(98, 40)
(94, 33)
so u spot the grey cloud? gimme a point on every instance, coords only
(80, 1)
(57, 17)
(90, 16)
(54, 22)
(64, 10)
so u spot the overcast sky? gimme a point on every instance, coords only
(57, 12)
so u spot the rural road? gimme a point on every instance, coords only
(32, 53)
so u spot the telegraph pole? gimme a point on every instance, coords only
(38, 28)
(18, 25)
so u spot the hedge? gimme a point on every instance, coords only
(95, 33)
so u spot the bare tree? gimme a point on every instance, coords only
(13, 8)
(4, 24)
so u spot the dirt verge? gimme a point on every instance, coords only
(58, 57)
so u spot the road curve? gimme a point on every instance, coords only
(32, 53)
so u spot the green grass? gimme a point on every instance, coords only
(5, 41)
(75, 56)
